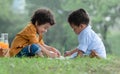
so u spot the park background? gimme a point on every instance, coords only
(105, 20)
(104, 16)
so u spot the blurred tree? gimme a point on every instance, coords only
(10, 22)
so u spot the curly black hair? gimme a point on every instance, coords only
(42, 16)
(78, 17)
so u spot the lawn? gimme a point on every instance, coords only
(56, 66)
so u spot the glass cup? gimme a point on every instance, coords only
(4, 41)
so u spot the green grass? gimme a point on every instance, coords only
(54, 66)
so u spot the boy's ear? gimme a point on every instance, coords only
(36, 23)
(83, 25)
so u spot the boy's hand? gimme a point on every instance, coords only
(53, 54)
(56, 51)
(50, 48)
(67, 53)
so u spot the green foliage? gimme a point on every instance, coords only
(4, 7)
(10, 22)
(114, 41)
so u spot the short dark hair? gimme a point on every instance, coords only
(42, 16)
(78, 17)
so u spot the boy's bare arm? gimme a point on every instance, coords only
(73, 51)
(68, 53)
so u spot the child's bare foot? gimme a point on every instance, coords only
(94, 54)
(80, 53)
(40, 54)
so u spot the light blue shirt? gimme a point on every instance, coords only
(89, 40)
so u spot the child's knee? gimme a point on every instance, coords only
(35, 48)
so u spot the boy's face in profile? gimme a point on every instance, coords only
(77, 29)
(41, 29)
